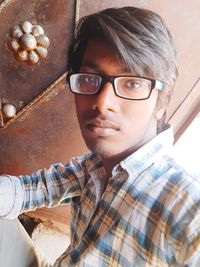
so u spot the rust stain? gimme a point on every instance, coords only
(22, 131)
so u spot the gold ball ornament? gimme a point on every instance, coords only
(16, 32)
(43, 40)
(41, 51)
(33, 57)
(27, 27)
(37, 30)
(9, 110)
(28, 42)
(22, 55)
(14, 44)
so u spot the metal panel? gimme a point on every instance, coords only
(42, 131)
(21, 83)
(48, 131)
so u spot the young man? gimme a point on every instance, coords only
(131, 204)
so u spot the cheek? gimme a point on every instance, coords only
(77, 99)
(81, 103)
(78, 105)
(138, 114)
(83, 108)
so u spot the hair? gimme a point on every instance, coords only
(139, 37)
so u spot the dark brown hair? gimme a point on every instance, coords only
(140, 38)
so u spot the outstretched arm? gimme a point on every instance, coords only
(11, 196)
(47, 187)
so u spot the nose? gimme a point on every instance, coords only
(106, 100)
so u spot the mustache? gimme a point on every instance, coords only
(102, 122)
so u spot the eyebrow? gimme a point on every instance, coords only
(96, 67)
(90, 65)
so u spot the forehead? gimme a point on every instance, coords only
(101, 56)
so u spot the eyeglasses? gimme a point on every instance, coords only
(128, 87)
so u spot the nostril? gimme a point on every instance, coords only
(106, 99)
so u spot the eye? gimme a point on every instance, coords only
(89, 79)
(133, 84)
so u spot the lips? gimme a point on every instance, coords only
(102, 127)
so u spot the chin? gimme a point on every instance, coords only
(103, 153)
(102, 150)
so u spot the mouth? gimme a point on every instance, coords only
(102, 128)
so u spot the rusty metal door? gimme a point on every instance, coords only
(45, 123)
(44, 128)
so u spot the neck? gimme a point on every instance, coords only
(110, 161)
(109, 164)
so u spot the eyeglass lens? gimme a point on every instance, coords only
(128, 87)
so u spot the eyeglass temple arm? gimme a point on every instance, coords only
(159, 85)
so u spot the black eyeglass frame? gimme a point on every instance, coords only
(155, 84)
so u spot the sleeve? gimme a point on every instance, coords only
(184, 251)
(193, 253)
(187, 230)
(44, 188)
(11, 196)
(192, 242)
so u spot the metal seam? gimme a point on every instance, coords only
(30, 106)
(5, 3)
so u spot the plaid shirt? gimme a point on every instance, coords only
(146, 214)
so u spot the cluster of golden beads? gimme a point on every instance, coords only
(29, 42)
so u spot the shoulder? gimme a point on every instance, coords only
(182, 179)
(176, 191)
(175, 176)
(79, 166)
(85, 161)
(183, 206)
(182, 200)
(72, 167)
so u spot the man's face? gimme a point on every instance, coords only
(113, 126)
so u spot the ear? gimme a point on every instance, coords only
(162, 103)
(160, 113)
